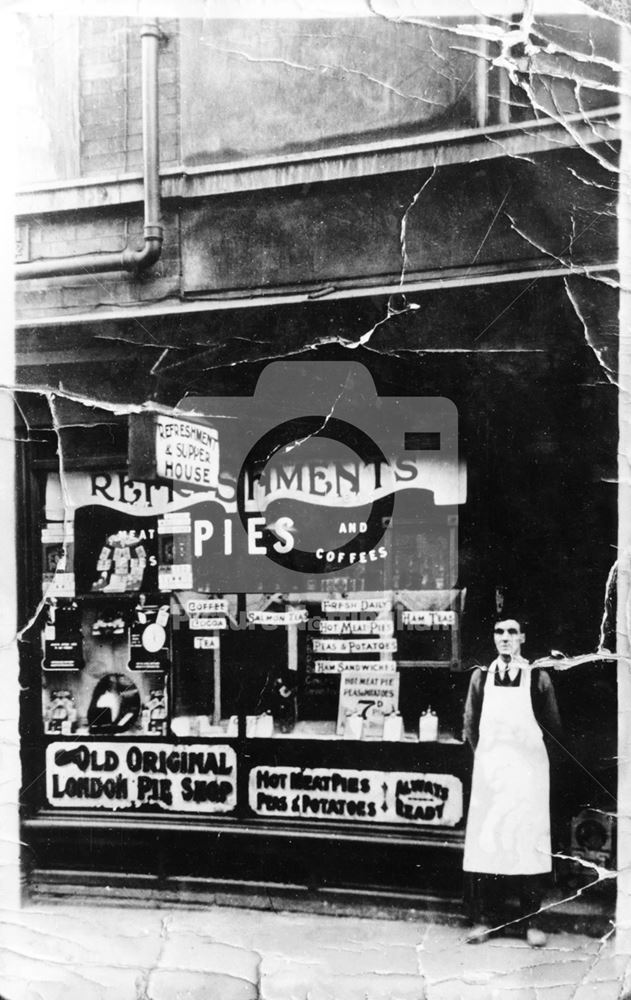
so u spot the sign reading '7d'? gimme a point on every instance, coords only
(372, 695)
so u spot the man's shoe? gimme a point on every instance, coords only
(536, 938)
(478, 934)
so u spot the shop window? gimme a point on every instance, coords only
(343, 676)
(129, 648)
(158, 689)
(205, 684)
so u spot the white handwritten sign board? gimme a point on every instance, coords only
(194, 778)
(371, 694)
(207, 624)
(274, 619)
(356, 626)
(362, 796)
(347, 605)
(429, 619)
(207, 606)
(339, 666)
(355, 646)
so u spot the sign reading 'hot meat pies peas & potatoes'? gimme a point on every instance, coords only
(364, 796)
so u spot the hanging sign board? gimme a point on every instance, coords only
(429, 619)
(205, 642)
(344, 605)
(173, 450)
(339, 666)
(357, 626)
(207, 624)
(278, 618)
(203, 607)
(378, 645)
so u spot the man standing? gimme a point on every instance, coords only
(507, 844)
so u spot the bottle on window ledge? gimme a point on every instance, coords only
(286, 706)
(264, 725)
(428, 726)
(353, 725)
(393, 727)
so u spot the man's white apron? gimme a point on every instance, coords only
(508, 827)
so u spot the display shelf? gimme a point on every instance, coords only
(199, 726)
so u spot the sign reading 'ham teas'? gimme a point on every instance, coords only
(194, 778)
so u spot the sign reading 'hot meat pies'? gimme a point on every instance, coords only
(193, 778)
(373, 796)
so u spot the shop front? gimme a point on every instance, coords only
(254, 607)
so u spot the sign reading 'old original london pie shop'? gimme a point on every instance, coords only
(193, 778)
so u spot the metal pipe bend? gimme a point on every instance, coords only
(128, 259)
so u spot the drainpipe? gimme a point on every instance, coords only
(127, 259)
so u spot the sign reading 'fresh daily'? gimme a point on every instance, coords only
(364, 796)
(192, 778)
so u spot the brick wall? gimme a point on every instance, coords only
(110, 108)
(89, 232)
